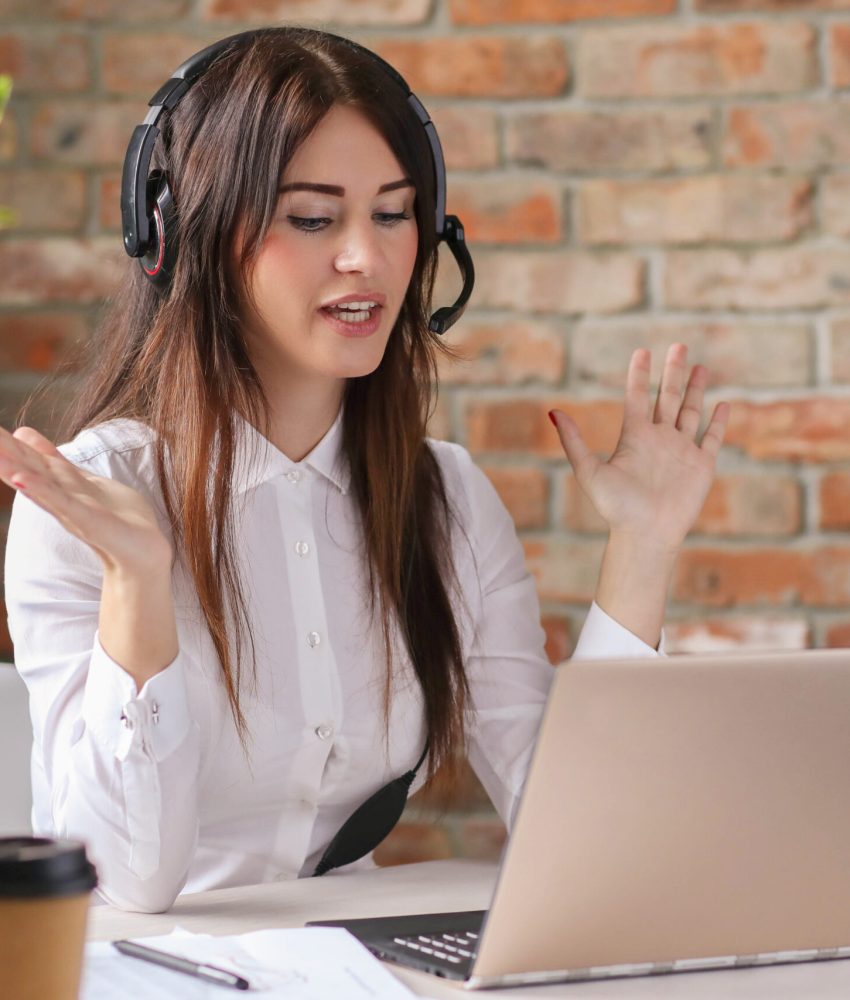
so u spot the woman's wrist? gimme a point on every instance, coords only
(153, 558)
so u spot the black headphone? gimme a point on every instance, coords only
(148, 213)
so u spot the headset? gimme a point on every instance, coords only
(148, 212)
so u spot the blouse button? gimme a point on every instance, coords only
(313, 639)
(302, 548)
(294, 475)
(324, 732)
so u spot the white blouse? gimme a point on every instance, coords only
(156, 782)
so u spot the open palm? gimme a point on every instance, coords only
(117, 522)
(656, 481)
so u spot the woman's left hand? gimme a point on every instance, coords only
(654, 485)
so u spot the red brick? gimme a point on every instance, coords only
(802, 134)
(716, 578)
(84, 132)
(109, 202)
(644, 139)
(440, 421)
(411, 842)
(564, 570)
(779, 6)
(696, 61)
(504, 352)
(838, 635)
(524, 491)
(737, 504)
(747, 632)
(93, 10)
(834, 495)
(9, 136)
(31, 60)
(558, 281)
(490, 66)
(559, 637)
(752, 504)
(481, 12)
(44, 200)
(798, 277)
(35, 272)
(153, 56)
(523, 426)
(739, 352)
(40, 342)
(469, 136)
(840, 344)
(46, 411)
(506, 210)
(317, 12)
(807, 430)
(730, 208)
(482, 838)
(835, 204)
(839, 54)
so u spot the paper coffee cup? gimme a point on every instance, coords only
(45, 886)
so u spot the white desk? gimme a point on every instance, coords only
(441, 886)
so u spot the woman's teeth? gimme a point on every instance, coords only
(352, 312)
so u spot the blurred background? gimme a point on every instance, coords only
(630, 172)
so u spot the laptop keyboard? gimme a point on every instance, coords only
(456, 950)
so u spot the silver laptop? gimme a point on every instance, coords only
(679, 814)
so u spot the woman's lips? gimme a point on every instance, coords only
(357, 322)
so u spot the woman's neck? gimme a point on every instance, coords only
(302, 413)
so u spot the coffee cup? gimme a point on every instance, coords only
(45, 886)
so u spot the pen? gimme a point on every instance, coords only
(199, 970)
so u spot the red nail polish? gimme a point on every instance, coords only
(552, 418)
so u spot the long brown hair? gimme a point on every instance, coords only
(179, 363)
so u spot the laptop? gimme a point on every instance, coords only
(679, 814)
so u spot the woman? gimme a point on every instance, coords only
(249, 592)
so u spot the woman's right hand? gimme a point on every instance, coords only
(117, 522)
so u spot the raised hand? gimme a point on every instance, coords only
(113, 519)
(651, 490)
(656, 481)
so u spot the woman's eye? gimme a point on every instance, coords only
(391, 218)
(308, 224)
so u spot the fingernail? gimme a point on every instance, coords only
(553, 418)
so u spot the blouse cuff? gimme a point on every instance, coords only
(156, 719)
(603, 638)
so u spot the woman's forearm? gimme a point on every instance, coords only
(137, 625)
(633, 584)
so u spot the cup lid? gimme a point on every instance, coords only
(40, 866)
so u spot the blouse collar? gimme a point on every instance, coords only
(258, 460)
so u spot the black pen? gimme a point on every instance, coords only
(200, 970)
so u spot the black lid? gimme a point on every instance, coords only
(38, 866)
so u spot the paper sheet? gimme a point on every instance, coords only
(304, 963)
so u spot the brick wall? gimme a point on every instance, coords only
(630, 172)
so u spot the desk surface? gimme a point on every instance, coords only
(441, 886)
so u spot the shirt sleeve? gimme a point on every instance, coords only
(508, 671)
(602, 637)
(106, 757)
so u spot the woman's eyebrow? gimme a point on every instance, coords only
(338, 191)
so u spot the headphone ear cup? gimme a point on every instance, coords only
(160, 256)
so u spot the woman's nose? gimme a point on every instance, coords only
(358, 250)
